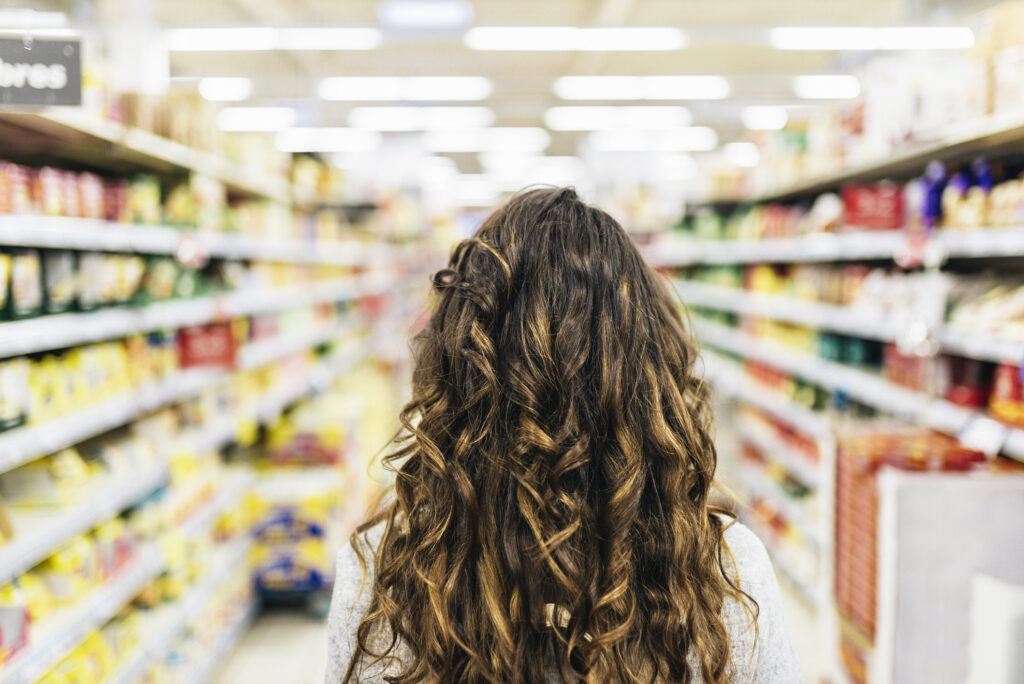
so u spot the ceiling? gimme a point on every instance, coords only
(728, 38)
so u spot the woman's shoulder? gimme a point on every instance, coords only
(747, 552)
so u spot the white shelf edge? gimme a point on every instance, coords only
(99, 606)
(796, 465)
(58, 331)
(68, 232)
(156, 646)
(208, 666)
(937, 414)
(727, 378)
(853, 246)
(121, 491)
(24, 444)
(783, 504)
(839, 319)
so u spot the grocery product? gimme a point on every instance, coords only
(26, 297)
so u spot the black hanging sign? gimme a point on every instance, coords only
(40, 72)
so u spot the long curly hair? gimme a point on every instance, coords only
(550, 516)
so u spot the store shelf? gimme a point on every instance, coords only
(855, 246)
(53, 639)
(21, 445)
(72, 329)
(85, 138)
(161, 629)
(727, 377)
(781, 560)
(38, 536)
(797, 465)
(208, 666)
(839, 319)
(997, 133)
(966, 424)
(759, 485)
(56, 232)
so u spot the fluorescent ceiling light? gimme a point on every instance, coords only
(222, 39)
(225, 89)
(742, 154)
(262, 119)
(392, 88)
(571, 38)
(598, 118)
(514, 162)
(868, 38)
(827, 87)
(31, 19)
(328, 38)
(258, 38)
(420, 118)
(425, 14)
(642, 88)
(327, 140)
(760, 118)
(692, 139)
(523, 139)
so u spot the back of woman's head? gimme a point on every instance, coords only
(556, 451)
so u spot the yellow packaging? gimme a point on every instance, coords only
(38, 599)
(72, 571)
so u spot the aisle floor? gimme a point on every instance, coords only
(290, 646)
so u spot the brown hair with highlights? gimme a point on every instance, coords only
(556, 450)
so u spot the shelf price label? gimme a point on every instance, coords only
(985, 435)
(40, 72)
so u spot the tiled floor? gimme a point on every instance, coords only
(283, 647)
(290, 647)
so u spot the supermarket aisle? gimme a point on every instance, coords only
(283, 647)
(290, 647)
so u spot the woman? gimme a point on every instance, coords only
(550, 521)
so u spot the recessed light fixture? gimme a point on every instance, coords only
(327, 140)
(417, 88)
(572, 38)
(742, 154)
(692, 139)
(826, 87)
(642, 88)
(255, 119)
(225, 89)
(425, 14)
(31, 19)
(517, 139)
(420, 118)
(871, 38)
(764, 118)
(585, 118)
(260, 38)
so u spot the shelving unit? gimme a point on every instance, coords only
(109, 145)
(57, 232)
(1003, 134)
(61, 633)
(938, 414)
(164, 625)
(981, 243)
(838, 319)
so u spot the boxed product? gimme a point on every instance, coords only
(878, 206)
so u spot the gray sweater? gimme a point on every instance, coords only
(771, 660)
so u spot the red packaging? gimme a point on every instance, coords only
(48, 191)
(211, 345)
(873, 207)
(70, 194)
(91, 196)
(970, 382)
(116, 195)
